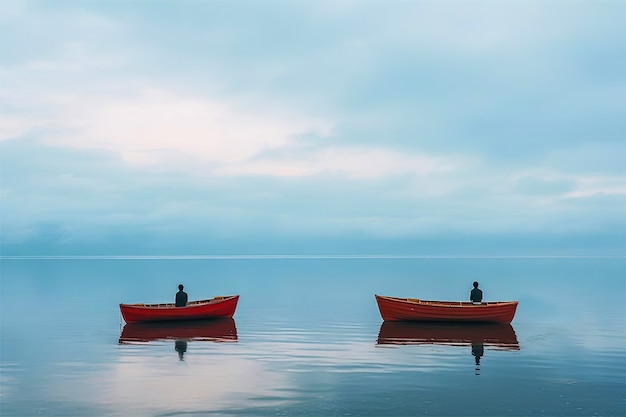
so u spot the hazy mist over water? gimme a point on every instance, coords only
(300, 154)
(309, 338)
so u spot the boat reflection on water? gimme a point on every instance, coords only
(477, 335)
(214, 330)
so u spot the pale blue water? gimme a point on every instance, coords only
(307, 339)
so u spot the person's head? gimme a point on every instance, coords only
(475, 284)
(180, 287)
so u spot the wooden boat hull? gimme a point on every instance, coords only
(497, 335)
(217, 307)
(409, 309)
(217, 330)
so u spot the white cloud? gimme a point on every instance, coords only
(437, 110)
(355, 162)
(159, 127)
(12, 126)
(579, 185)
(597, 189)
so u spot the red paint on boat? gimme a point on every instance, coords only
(218, 330)
(216, 307)
(497, 335)
(411, 309)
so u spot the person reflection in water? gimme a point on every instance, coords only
(478, 350)
(476, 295)
(181, 297)
(180, 346)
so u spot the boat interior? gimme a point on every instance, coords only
(190, 303)
(450, 303)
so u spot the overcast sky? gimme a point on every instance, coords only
(132, 127)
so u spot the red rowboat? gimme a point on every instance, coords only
(216, 307)
(215, 330)
(497, 335)
(412, 309)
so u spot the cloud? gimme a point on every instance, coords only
(311, 119)
(354, 162)
(155, 125)
(166, 130)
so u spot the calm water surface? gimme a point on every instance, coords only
(307, 339)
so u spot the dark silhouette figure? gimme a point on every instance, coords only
(476, 295)
(180, 346)
(181, 297)
(478, 350)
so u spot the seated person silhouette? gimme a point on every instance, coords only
(181, 297)
(476, 295)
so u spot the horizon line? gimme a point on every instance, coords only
(293, 256)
